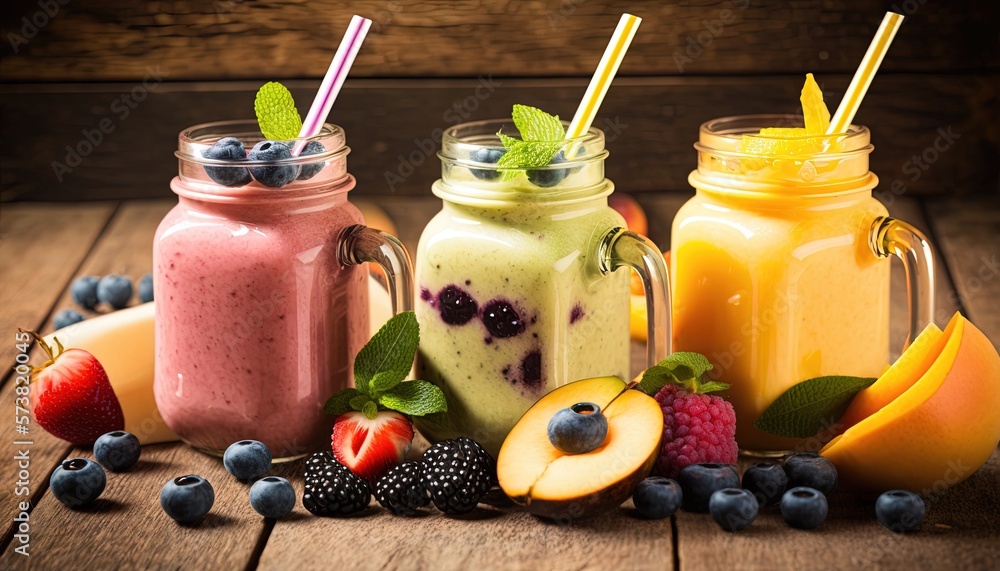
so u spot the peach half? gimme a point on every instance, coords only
(934, 433)
(561, 486)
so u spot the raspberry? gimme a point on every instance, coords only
(696, 428)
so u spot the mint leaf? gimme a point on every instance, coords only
(416, 398)
(385, 380)
(359, 402)
(682, 368)
(340, 403)
(811, 406)
(537, 125)
(370, 410)
(526, 155)
(390, 351)
(276, 114)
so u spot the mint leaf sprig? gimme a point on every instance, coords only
(542, 135)
(811, 406)
(683, 369)
(380, 369)
(277, 116)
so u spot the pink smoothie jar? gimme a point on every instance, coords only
(262, 296)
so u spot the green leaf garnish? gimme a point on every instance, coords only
(416, 398)
(811, 406)
(340, 403)
(379, 372)
(542, 135)
(683, 369)
(276, 114)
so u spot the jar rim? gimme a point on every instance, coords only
(192, 141)
(723, 137)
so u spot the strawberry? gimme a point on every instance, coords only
(370, 447)
(73, 398)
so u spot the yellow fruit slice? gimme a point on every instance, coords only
(906, 371)
(814, 111)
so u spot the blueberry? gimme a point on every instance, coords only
(700, 481)
(579, 428)
(227, 149)
(274, 176)
(311, 169)
(114, 290)
(810, 470)
(247, 459)
(187, 499)
(804, 508)
(547, 177)
(146, 288)
(766, 481)
(486, 155)
(117, 451)
(84, 291)
(501, 319)
(657, 497)
(272, 497)
(733, 508)
(77, 482)
(66, 317)
(456, 305)
(900, 510)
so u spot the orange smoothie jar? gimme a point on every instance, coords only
(780, 267)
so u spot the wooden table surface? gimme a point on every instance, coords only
(45, 246)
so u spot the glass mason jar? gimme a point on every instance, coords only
(261, 297)
(780, 268)
(519, 292)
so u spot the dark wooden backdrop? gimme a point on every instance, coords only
(129, 75)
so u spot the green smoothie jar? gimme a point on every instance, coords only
(522, 286)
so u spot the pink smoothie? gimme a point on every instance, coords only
(257, 323)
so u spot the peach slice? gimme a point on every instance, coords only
(553, 484)
(938, 431)
(910, 366)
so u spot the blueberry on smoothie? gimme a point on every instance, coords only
(501, 319)
(311, 169)
(486, 155)
(456, 305)
(274, 176)
(551, 177)
(227, 149)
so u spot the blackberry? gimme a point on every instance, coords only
(331, 489)
(458, 473)
(402, 490)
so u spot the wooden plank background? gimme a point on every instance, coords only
(428, 65)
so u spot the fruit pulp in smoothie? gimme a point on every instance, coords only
(257, 323)
(512, 306)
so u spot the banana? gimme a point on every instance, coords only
(122, 342)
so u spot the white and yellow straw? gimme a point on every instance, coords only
(606, 70)
(866, 72)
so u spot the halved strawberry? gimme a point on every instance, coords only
(72, 398)
(370, 447)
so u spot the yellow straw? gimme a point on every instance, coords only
(866, 72)
(606, 70)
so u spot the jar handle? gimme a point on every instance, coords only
(359, 244)
(891, 237)
(622, 248)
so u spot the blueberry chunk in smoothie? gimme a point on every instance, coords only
(531, 370)
(576, 314)
(456, 305)
(501, 319)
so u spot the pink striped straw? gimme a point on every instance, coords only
(334, 79)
